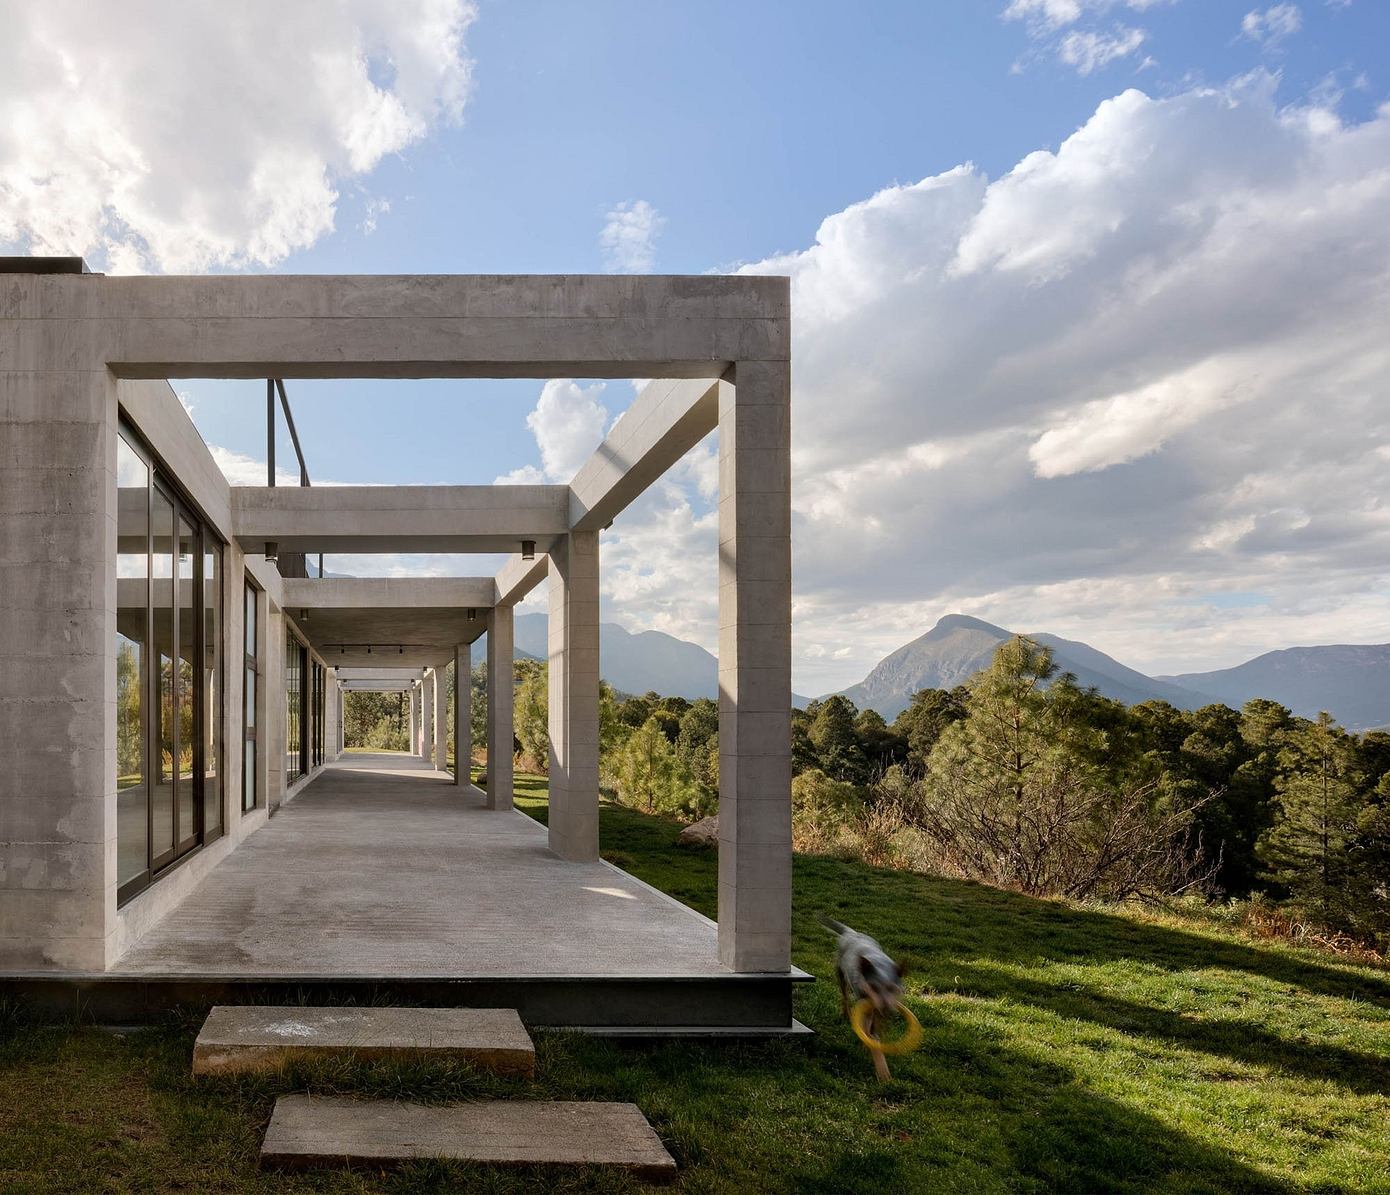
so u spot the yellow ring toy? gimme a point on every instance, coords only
(909, 1041)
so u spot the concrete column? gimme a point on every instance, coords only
(426, 720)
(499, 708)
(463, 712)
(755, 668)
(441, 722)
(57, 652)
(414, 733)
(573, 696)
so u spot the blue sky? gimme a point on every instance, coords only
(1101, 275)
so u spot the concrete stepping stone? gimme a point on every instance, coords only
(255, 1037)
(307, 1131)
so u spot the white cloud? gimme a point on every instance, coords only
(1056, 14)
(568, 423)
(628, 238)
(1133, 372)
(1272, 25)
(240, 469)
(202, 135)
(1052, 27)
(1089, 51)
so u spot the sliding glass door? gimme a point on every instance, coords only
(169, 693)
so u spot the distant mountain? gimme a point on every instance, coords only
(1350, 681)
(960, 646)
(635, 663)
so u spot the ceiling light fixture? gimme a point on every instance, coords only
(528, 549)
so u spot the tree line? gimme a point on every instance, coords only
(1023, 779)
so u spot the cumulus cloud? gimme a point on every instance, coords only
(1055, 14)
(1272, 25)
(628, 238)
(1136, 373)
(568, 422)
(185, 137)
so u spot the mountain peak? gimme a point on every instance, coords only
(965, 622)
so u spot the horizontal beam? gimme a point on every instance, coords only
(388, 593)
(395, 326)
(420, 518)
(666, 420)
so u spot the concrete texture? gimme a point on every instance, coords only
(427, 717)
(405, 518)
(383, 868)
(441, 723)
(664, 421)
(500, 677)
(246, 1038)
(307, 1131)
(573, 696)
(383, 326)
(755, 701)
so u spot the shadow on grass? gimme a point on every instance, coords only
(1239, 1040)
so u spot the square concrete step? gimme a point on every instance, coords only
(257, 1037)
(307, 1131)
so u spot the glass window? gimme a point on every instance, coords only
(212, 690)
(168, 663)
(189, 679)
(249, 778)
(132, 635)
(294, 705)
(166, 754)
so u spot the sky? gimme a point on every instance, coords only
(1090, 297)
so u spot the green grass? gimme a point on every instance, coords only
(1066, 1049)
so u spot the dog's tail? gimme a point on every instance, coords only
(835, 927)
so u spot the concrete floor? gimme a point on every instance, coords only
(383, 868)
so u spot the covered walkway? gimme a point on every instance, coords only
(383, 868)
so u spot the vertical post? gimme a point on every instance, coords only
(270, 431)
(573, 696)
(414, 734)
(426, 722)
(441, 721)
(499, 708)
(58, 649)
(755, 668)
(463, 713)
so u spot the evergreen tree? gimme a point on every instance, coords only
(927, 715)
(531, 713)
(836, 743)
(1306, 851)
(649, 774)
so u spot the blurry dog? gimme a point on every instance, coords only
(865, 970)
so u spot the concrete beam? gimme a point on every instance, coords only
(388, 593)
(518, 577)
(665, 422)
(398, 327)
(412, 518)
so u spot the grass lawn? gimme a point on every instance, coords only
(1066, 1049)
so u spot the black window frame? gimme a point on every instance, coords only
(250, 664)
(203, 538)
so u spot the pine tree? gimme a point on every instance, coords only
(1306, 850)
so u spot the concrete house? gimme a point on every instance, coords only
(176, 820)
